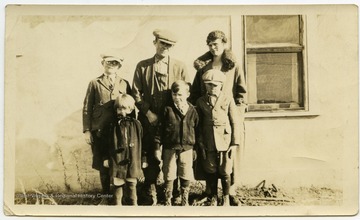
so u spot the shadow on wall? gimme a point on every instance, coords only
(63, 166)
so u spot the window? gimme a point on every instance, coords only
(275, 62)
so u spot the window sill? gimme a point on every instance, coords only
(279, 114)
(274, 47)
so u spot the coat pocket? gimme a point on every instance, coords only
(169, 127)
(224, 107)
(168, 131)
(121, 156)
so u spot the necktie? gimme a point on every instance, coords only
(111, 82)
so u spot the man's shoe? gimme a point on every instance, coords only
(168, 202)
(213, 201)
(154, 200)
(104, 201)
(226, 200)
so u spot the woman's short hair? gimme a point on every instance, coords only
(125, 101)
(214, 35)
(175, 87)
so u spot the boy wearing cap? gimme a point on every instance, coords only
(98, 113)
(219, 124)
(151, 90)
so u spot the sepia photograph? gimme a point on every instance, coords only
(209, 110)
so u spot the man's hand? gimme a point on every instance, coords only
(106, 163)
(203, 153)
(157, 155)
(194, 155)
(88, 137)
(152, 117)
(202, 149)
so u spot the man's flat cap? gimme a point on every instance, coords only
(165, 36)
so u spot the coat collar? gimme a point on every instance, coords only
(175, 109)
(103, 81)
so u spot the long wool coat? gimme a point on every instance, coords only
(219, 125)
(125, 149)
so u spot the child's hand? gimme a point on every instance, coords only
(152, 117)
(88, 137)
(157, 155)
(144, 163)
(194, 155)
(106, 163)
(230, 150)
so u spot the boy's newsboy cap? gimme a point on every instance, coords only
(165, 36)
(214, 76)
(112, 55)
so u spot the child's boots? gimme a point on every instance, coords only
(118, 195)
(185, 196)
(168, 197)
(153, 194)
(132, 194)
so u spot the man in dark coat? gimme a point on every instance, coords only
(151, 90)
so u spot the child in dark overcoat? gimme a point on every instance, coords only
(177, 134)
(125, 150)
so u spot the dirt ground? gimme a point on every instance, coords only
(248, 196)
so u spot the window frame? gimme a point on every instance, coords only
(300, 48)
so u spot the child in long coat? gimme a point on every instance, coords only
(219, 124)
(125, 150)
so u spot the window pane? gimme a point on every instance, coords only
(272, 29)
(275, 78)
